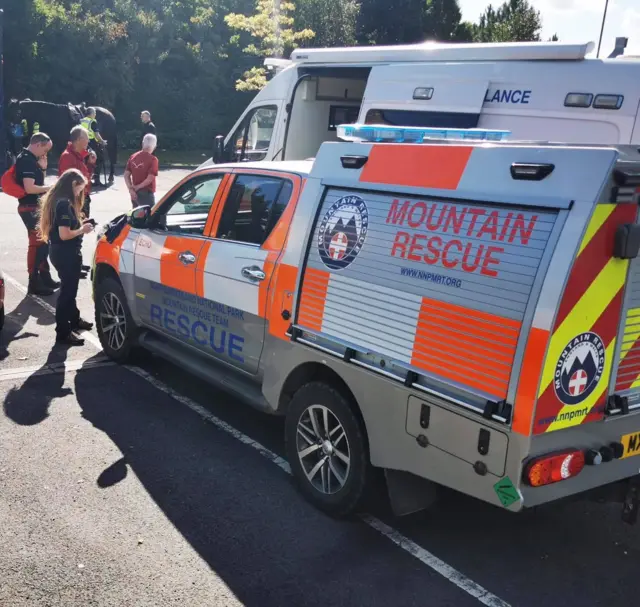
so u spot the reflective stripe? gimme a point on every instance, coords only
(86, 123)
(592, 302)
(149, 248)
(431, 166)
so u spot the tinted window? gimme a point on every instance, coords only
(253, 207)
(453, 120)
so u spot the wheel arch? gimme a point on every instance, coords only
(103, 271)
(311, 372)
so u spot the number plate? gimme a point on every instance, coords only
(631, 444)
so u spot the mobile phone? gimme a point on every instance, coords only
(91, 221)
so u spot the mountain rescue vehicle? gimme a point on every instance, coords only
(451, 307)
(548, 91)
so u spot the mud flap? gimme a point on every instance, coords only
(409, 493)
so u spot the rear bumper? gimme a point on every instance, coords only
(593, 477)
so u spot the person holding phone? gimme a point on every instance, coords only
(62, 225)
(31, 166)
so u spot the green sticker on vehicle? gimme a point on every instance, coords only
(506, 492)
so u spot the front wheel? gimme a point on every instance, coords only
(114, 323)
(327, 449)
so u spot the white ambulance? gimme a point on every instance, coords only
(456, 313)
(539, 91)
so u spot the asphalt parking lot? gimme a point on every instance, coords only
(136, 486)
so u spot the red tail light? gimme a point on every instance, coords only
(554, 467)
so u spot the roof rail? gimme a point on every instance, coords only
(434, 51)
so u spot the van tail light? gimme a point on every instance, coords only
(554, 467)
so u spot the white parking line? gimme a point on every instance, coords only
(452, 575)
(62, 367)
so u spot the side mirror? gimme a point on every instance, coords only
(139, 217)
(218, 149)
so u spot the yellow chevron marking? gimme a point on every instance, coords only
(584, 314)
(600, 215)
(631, 332)
(572, 415)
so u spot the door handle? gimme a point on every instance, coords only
(253, 273)
(187, 257)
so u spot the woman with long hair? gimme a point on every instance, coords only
(63, 225)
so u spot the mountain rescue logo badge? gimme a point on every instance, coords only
(579, 368)
(342, 232)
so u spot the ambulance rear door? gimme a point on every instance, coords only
(427, 95)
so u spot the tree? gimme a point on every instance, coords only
(442, 22)
(386, 22)
(514, 21)
(333, 21)
(272, 28)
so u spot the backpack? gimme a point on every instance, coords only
(17, 130)
(10, 185)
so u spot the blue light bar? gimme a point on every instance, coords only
(409, 134)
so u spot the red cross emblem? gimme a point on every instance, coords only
(338, 246)
(578, 382)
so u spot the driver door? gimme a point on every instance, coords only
(166, 255)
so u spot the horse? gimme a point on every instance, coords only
(57, 120)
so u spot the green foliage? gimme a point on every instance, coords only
(391, 22)
(333, 21)
(191, 62)
(271, 27)
(442, 22)
(514, 21)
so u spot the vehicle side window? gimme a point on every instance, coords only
(250, 141)
(253, 207)
(187, 210)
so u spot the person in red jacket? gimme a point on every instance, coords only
(78, 156)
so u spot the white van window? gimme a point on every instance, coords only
(453, 120)
(251, 140)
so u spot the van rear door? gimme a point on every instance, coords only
(423, 95)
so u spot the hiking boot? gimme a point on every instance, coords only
(37, 287)
(47, 281)
(70, 340)
(84, 325)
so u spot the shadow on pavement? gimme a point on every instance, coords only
(240, 513)
(27, 309)
(28, 404)
(12, 331)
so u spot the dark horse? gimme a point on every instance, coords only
(56, 120)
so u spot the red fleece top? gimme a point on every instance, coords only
(70, 159)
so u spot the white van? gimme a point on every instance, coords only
(538, 91)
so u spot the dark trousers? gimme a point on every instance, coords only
(68, 263)
(38, 250)
(99, 150)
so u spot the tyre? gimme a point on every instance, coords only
(327, 449)
(1, 317)
(114, 323)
